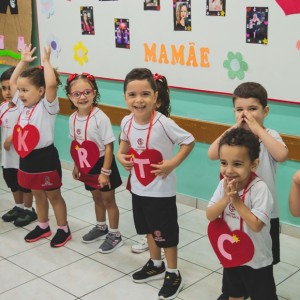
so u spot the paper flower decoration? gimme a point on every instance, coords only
(80, 53)
(47, 7)
(54, 43)
(236, 65)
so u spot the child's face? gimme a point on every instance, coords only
(235, 164)
(141, 100)
(82, 94)
(252, 106)
(29, 94)
(6, 93)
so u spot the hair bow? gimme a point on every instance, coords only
(157, 76)
(71, 77)
(88, 76)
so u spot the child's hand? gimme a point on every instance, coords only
(76, 173)
(296, 178)
(253, 125)
(47, 53)
(7, 143)
(163, 168)
(126, 161)
(26, 54)
(230, 188)
(104, 181)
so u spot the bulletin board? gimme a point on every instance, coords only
(212, 54)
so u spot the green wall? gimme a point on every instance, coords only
(197, 176)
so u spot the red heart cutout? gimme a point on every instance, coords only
(25, 139)
(289, 6)
(233, 248)
(85, 155)
(142, 163)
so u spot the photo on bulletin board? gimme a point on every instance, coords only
(216, 8)
(87, 20)
(151, 4)
(182, 15)
(122, 33)
(257, 25)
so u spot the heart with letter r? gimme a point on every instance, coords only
(233, 248)
(85, 155)
(142, 162)
(25, 139)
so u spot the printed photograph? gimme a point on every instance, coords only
(257, 25)
(151, 4)
(122, 33)
(87, 20)
(216, 8)
(182, 15)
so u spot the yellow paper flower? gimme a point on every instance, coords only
(80, 53)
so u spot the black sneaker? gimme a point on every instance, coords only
(37, 233)
(172, 286)
(26, 217)
(60, 238)
(12, 214)
(149, 272)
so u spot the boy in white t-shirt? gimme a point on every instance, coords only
(22, 213)
(245, 203)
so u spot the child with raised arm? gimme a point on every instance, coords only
(92, 152)
(250, 101)
(245, 203)
(294, 198)
(22, 213)
(163, 106)
(148, 139)
(35, 93)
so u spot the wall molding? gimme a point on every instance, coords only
(203, 131)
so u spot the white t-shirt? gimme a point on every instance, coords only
(10, 158)
(164, 135)
(259, 200)
(267, 170)
(99, 129)
(43, 118)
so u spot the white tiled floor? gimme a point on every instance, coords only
(79, 271)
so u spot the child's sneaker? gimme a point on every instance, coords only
(141, 246)
(149, 272)
(12, 214)
(26, 217)
(111, 243)
(37, 233)
(172, 286)
(61, 237)
(95, 234)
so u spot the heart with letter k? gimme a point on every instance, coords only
(25, 139)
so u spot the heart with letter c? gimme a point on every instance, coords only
(233, 248)
(142, 162)
(85, 155)
(25, 139)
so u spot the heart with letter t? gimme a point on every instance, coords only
(142, 162)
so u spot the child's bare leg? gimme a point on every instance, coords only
(171, 257)
(42, 205)
(100, 209)
(18, 197)
(155, 251)
(109, 202)
(27, 199)
(59, 206)
(231, 298)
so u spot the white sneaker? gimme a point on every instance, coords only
(141, 246)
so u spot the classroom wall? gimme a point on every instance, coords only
(197, 176)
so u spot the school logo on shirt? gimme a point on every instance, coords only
(140, 142)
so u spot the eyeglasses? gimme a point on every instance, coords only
(85, 93)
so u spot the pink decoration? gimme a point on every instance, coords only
(289, 6)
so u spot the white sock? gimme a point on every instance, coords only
(101, 225)
(29, 208)
(20, 205)
(173, 271)
(157, 262)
